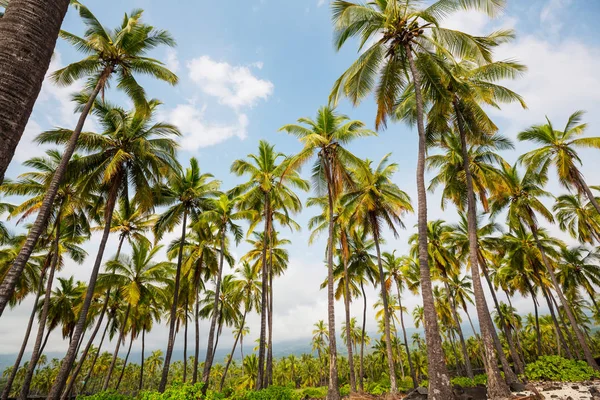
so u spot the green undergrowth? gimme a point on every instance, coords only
(556, 368)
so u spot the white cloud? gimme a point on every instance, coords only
(550, 14)
(27, 148)
(198, 132)
(172, 62)
(320, 3)
(233, 86)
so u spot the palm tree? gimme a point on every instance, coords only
(187, 194)
(320, 339)
(578, 269)
(395, 31)
(137, 278)
(520, 196)
(269, 189)
(580, 220)
(558, 148)
(121, 51)
(133, 148)
(396, 268)
(326, 135)
(30, 29)
(222, 212)
(377, 201)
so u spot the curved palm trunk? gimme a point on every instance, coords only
(17, 364)
(117, 347)
(439, 379)
(333, 390)
(497, 387)
(12, 277)
(141, 384)
(38, 347)
(589, 195)
(237, 337)
(67, 362)
(89, 374)
(576, 349)
(185, 337)
(413, 375)
(124, 363)
(348, 331)
(386, 313)
(211, 333)
(263, 311)
(75, 373)
(362, 341)
(29, 30)
(171, 341)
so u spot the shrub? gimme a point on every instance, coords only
(271, 393)
(107, 395)
(556, 368)
(313, 393)
(463, 381)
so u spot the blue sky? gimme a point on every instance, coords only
(248, 67)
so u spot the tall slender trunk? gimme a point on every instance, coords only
(141, 384)
(117, 347)
(29, 30)
(211, 333)
(537, 318)
(67, 362)
(362, 341)
(333, 390)
(237, 337)
(461, 337)
(124, 363)
(347, 310)
(185, 339)
(398, 346)
(439, 379)
(38, 347)
(413, 374)
(386, 312)
(96, 355)
(557, 325)
(12, 277)
(263, 307)
(270, 316)
(75, 373)
(497, 387)
(171, 340)
(589, 194)
(576, 349)
(511, 346)
(197, 319)
(17, 364)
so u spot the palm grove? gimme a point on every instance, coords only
(124, 181)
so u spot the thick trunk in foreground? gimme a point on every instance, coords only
(171, 341)
(67, 362)
(12, 277)
(17, 364)
(263, 301)
(29, 29)
(386, 315)
(211, 333)
(439, 379)
(496, 385)
(117, 347)
(38, 347)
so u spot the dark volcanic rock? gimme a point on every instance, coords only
(517, 387)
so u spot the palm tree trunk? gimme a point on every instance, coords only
(413, 375)
(537, 318)
(439, 379)
(576, 350)
(17, 364)
(197, 338)
(348, 331)
(185, 337)
(171, 341)
(333, 390)
(589, 194)
(386, 313)
(263, 310)
(497, 387)
(89, 374)
(116, 352)
(12, 277)
(67, 362)
(589, 357)
(556, 324)
(211, 333)
(38, 347)
(362, 341)
(141, 384)
(75, 373)
(461, 337)
(237, 337)
(398, 347)
(270, 318)
(125, 363)
(29, 29)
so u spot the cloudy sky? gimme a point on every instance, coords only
(248, 67)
